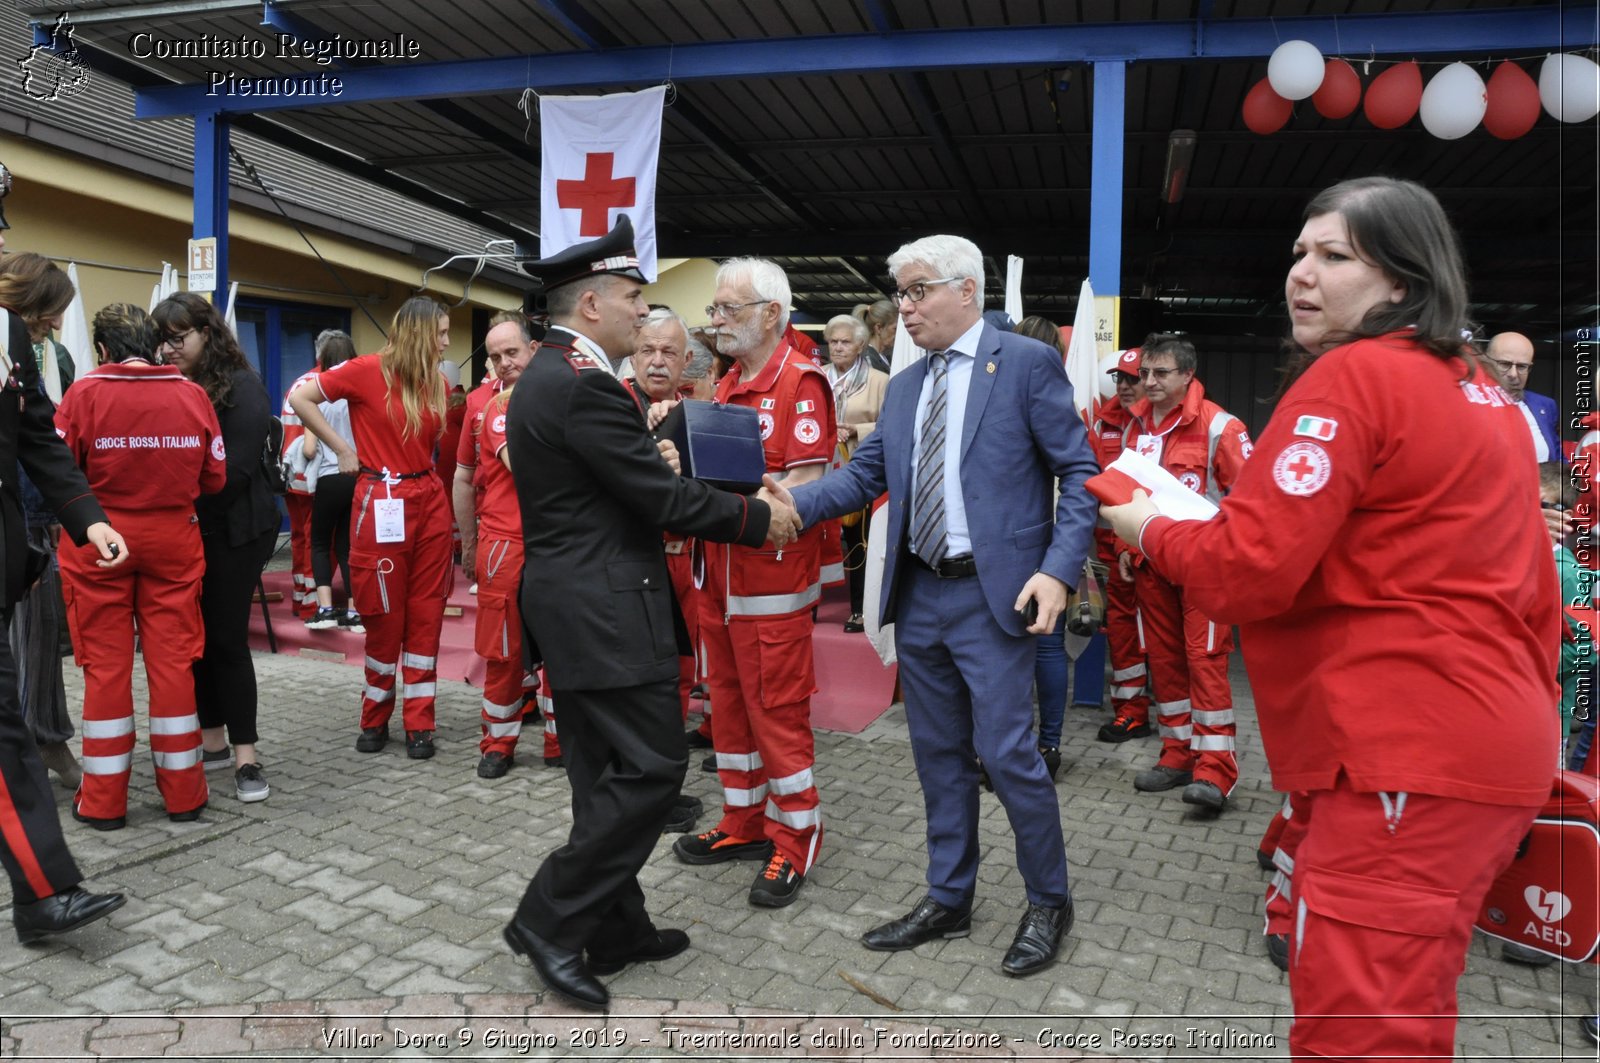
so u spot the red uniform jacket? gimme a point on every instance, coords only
(1386, 561)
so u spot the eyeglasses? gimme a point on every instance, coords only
(919, 291)
(176, 339)
(1511, 367)
(728, 310)
(1156, 374)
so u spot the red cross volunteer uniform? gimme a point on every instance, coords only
(399, 544)
(297, 500)
(149, 444)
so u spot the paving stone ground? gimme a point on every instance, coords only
(357, 913)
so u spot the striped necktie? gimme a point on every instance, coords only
(929, 537)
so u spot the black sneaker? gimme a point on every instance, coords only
(372, 739)
(778, 884)
(99, 824)
(493, 765)
(1123, 729)
(217, 759)
(716, 847)
(323, 619)
(685, 812)
(419, 744)
(351, 622)
(189, 816)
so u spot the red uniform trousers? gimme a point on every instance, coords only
(545, 699)
(304, 601)
(1387, 888)
(159, 586)
(1129, 677)
(762, 677)
(498, 640)
(681, 570)
(1189, 672)
(832, 554)
(400, 590)
(1282, 841)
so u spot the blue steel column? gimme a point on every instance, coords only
(211, 190)
(1105, 187)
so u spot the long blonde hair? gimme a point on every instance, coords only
(411, 359)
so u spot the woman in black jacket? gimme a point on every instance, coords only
(238, 527)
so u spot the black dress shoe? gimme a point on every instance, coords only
(62, 912)
(560, 969)
(658, 945)
(1038, 939)
(696, 740)
(928, 921)
(709, 764)
(685, 813)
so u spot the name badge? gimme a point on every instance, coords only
(1148, 447)
(389, 520)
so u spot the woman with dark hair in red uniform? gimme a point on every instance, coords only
(149, 443)
(1385, 559)
(400, 544)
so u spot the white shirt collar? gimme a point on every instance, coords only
(967, 342)
(589, 347)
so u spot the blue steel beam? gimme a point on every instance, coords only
(211, 190)
(1436, 33)
(1105, 187)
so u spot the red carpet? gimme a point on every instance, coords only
(853, 686)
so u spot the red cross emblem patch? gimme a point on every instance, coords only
(807, 430)
(1302, 469)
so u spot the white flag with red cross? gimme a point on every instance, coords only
(598, 159)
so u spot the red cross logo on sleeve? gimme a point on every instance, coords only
(1302, 469)
(597, 194)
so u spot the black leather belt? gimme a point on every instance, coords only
(377, 474)
(950, 567)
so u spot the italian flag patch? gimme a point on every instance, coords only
(1316, 427)
(766, 404)
(804, 407)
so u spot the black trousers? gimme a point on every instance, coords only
(626, 757)
(330, 528)
(225, 676)
(852, 540)
(31, 845)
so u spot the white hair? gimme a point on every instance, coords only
(858, 328)
(663, 315)
(697, 360)
(764, 277)
(946, 256)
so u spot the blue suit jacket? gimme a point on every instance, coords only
(1020, 436)
(1546, 416)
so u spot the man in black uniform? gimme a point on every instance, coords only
(46, 897)
(595, 495)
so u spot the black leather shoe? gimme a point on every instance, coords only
(1206, 794)
(709, 764)
(116, 823)
(1278, 951)
(1038, 939)
(685, 813)
(659, 945)
(1052, 760)
(419, 744)
(493, 765)
(696, 740)
(62, 912)
(928, 921)
(560, 969)
(372, 739)
(188, 817)
(1264, 860)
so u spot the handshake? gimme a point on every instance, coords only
(785, 526)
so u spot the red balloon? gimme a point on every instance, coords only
(1340, 91)
(1394, 96)
(1513, 102)
(1264, 110)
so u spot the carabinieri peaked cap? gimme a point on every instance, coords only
(612, 253)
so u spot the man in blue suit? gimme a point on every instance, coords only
(970, 445)
(1511, 356)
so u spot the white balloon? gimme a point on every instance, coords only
(1108, 380)
(1295, 69)
(1454, 102)
(1569, 87)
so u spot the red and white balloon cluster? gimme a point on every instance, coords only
(1452, 105)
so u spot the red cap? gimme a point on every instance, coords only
(1128, 362)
